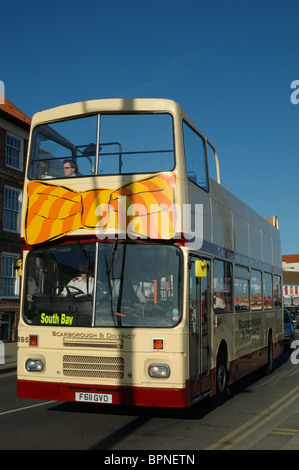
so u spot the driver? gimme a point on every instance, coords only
(83, 283)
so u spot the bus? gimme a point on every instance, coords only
(144, 281)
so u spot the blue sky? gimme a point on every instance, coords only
(228, 63)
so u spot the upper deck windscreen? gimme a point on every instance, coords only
(106, 144)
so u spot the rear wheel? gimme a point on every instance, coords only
(222, 386)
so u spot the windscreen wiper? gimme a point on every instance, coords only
(108, 270)
(120, 292)
(86, 262)
(112, 256)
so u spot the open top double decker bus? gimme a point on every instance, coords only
(144, 281)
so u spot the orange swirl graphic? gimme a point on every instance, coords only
(142, 207)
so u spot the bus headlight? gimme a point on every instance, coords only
(159, 371)
(34, 365)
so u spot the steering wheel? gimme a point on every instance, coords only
(68, 288)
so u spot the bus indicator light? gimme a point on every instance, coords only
(158, 344)
(33, 340)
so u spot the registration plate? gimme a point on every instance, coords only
(94, 397)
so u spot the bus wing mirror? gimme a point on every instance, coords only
(19, 267)
(200, 268)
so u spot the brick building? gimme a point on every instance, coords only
(14, 134)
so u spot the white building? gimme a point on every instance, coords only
(290, 266)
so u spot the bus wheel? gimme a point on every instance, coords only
(270, 364)
(221, 378)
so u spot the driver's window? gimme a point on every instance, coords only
(42, 274)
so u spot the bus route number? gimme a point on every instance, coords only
(23, 339)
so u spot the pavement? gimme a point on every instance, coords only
(10, 357)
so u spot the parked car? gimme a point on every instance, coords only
(289, 308)
(295, 319)
(289, 332)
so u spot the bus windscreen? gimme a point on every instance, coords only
(94, 284)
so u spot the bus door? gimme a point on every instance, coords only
(199, 328)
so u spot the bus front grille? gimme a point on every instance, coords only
(93, 366)
(90, 343)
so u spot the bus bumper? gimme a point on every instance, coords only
(136, 396)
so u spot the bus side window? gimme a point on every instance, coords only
(277, 292)
(222, 287)
(241, 289)
(195, 154)
(268, 291)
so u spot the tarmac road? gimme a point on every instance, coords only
(262, 413)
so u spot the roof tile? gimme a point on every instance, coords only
(290, 258)
(9, 108)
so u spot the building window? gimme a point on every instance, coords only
(286, 290)
(12, 209)
(14, 152)
(9, 284)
